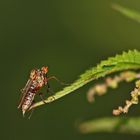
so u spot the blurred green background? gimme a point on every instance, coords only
(69, 36)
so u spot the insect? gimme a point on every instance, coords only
(37, 80)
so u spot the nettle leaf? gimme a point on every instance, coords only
(126, 61)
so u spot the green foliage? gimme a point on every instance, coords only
(132, 14)
(111, 124)
(127, 60)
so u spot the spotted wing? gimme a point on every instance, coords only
(24, 91)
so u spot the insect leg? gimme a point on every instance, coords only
(42, 98)
(49, 90)
(55, 78)
(31, 110)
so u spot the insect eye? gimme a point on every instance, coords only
(44, 69)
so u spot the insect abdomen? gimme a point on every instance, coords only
(28, 99)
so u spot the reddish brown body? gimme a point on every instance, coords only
(37, 80)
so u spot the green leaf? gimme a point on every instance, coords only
(126, 61)
(132, 14)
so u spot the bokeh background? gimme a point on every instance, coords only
(69, 36)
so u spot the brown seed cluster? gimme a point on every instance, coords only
(134, 100)
(101, 89)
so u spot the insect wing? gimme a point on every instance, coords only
(24, 91)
